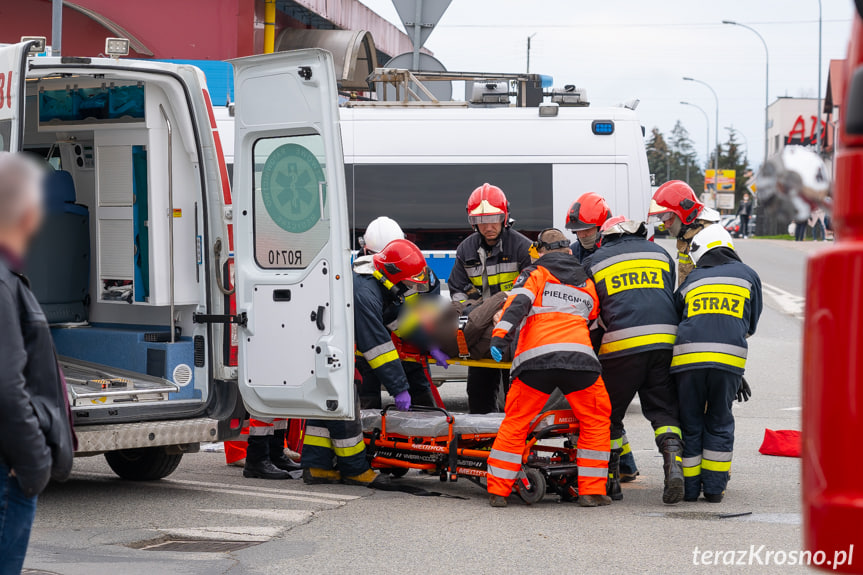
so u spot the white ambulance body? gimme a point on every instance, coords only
(418, 166)
(133, 264)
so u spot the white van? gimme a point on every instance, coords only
(418, 166)
(133, 264)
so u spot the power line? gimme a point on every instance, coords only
(644, 25)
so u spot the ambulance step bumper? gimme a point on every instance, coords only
(96, 439)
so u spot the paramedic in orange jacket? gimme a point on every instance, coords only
(552, 301)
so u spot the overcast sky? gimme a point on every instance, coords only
(619, 49)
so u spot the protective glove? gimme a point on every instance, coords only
(403, 400)
(744, 392)
(440, 357)
(496, 354)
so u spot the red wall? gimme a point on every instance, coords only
(171, 29)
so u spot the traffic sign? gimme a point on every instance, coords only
(430, 12)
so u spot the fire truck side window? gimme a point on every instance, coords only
(5, 135)
(291, 222)
(428, 200)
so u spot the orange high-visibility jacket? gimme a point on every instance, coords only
(551, 302)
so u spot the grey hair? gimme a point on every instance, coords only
(20, 186)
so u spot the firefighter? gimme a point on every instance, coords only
(379, 233)
(584, 218)
(487, 262)
(398, 273)
(635, 283)
(679, 211)
(265, 451)
(553, 300)
(720, 303)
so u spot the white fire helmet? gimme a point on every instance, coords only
(380, 232)
(711, 237)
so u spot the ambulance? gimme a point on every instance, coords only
(134, 265)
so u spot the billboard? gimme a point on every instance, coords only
(725, 201)
(726, 180)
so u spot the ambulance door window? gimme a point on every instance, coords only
(290, 201)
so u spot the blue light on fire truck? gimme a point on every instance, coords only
(603, 127)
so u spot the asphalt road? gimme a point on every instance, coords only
(97, 524)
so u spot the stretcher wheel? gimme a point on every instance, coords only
(535, 491)
(396, 472)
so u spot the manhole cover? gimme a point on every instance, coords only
(199, 546)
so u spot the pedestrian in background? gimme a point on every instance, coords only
(800, 230)
(744, 211)
(36, 440)
(816, 221)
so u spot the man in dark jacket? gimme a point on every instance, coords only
(36, 441)
(744, 211)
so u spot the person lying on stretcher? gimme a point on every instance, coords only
(458, 329)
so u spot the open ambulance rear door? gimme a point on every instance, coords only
(13, 70)
(293, 272)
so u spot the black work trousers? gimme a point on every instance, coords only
(483, 389)
(645, 373)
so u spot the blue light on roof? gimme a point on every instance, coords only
(547, 81)
(603, 127)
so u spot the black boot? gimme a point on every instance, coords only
(258, 462)
(672, 454)
(612, 487)
(277, 452)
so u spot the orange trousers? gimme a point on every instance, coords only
(591, 407)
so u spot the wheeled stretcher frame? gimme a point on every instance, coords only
(462, 450)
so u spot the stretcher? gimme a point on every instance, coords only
(453, 445)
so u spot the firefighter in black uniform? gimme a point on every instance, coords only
(488, 262)
(398, 274)
(584, 218)
(635, 283)
(719, 305)
(379, 233)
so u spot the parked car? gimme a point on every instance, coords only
(732, 224)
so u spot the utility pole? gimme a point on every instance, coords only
(528, 51)
(56, 26)
(818, 115)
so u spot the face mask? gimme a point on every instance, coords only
(588, 242)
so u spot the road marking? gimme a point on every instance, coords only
(249, 491)
(788, 303)
(279, 515)
(232, 533)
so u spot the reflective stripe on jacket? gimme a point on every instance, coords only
(551, 303)
(719, 306)
(635, 284)
(478, 273)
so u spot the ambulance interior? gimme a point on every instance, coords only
(104, 267)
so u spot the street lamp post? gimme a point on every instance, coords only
(716, 136)
(707, 124)
(766, 79)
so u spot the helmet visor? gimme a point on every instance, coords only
(419, 283)
(486, 219)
